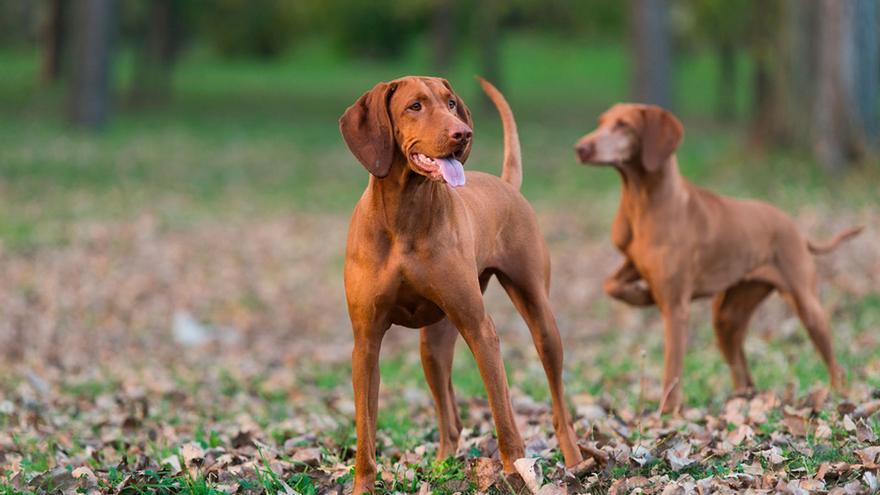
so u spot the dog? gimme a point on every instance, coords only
(682, 242)
(424, 241)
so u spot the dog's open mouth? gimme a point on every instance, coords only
(449, 168)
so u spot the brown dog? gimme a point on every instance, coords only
(682, 243)
(424, 241)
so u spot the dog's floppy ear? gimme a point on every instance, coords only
(464, 113)
(366, 129)
(661, 135)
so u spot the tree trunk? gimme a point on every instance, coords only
(54, 33)
(867, 65)
(801, 25)
(154, 55)
(838, 137)
(650, 39)
(487, 33)
(726, 98)
(442, 34)
(772, 111)
(92, 28)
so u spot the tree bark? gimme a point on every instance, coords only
(650, 39)
(54, 34)
(442, 34)
(727, 82)
(487, 30)
(774, 108)
(155, 55)
(867, 65)
(839, 138)
(93, 21)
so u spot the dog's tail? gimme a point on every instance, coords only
(831, 245)
(512, 171)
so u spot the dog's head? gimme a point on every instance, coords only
(631, 134)
(419, 121)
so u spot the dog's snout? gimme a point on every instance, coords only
(585, 150)
(461, 134)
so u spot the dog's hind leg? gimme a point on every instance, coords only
(438, 351)
(799, 271)
(806, 303)
(731, 312)
(528, 291)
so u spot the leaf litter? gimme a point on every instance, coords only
(141, 358)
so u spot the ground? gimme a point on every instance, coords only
(173, 317)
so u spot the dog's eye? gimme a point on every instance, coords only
(619, 124)
(452, 104)
(415, 107)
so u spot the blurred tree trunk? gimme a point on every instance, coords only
(92, 31)
(650, 39)
(771, 117)
(839, 137)
(487, 33)
(54, 33)
(154, 54)
(867, 64)
(801, 25)
(442, 34)
(727, 82)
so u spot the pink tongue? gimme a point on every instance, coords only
(452, 171)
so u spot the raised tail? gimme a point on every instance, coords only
(829, 246)
(512, 170)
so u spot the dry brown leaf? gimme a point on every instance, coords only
(530, 472)
(870, 457)
(192, 453)
(864, 432)
(867, 409)
(485, 473)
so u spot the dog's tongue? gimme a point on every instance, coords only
(452, 171)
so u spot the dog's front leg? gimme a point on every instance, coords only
(627, 285)
(437, 352)
(368, 335)
(675, 330)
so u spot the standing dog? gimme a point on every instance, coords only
(682, 243)
(425, 238)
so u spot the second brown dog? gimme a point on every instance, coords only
(682, 242)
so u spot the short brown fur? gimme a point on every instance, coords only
(682, 242)
(420, 253)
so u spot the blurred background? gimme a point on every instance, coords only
(178, 108)
(172, 177)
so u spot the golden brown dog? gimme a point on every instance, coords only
(424, 240)
(682, 243)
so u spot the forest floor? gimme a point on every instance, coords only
(216, 358)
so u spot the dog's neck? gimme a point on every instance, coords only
(407, 203)
(646, 189)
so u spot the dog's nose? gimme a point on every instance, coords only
(585, 150)
(461, 135)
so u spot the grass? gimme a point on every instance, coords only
(244, 137)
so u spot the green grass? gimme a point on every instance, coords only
(245, 137)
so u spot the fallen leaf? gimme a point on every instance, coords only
(867, 409)
(869, 457)
(485, 472)
(530, 471)
(193, 454)
(864, 432)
